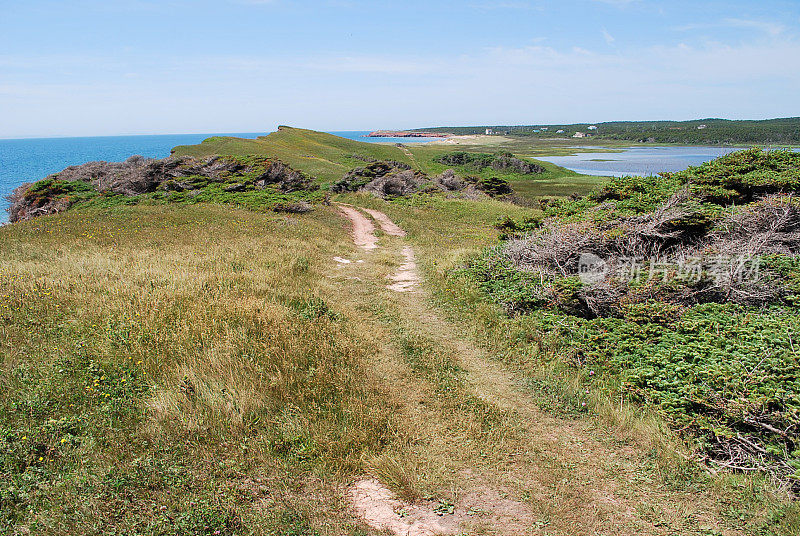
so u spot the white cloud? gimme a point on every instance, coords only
(377, 65)
(608, 37)
(767, 27)
(771, 28)
(531, 84)
(618, 3)
(504, 5)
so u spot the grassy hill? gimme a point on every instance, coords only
(328, 157)
(322, 155)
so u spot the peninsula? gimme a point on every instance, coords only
(406, 134)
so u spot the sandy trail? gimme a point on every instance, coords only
(379, 507)
(363, 230)
(406, 278)
(571, 470)
(388, 226)
(410, 155)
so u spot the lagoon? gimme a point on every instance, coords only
(638, 160)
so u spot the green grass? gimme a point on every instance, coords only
(321, 155)
(554, 355)
(193, 368)
(329, 157)
(178, 370)
(720, 373)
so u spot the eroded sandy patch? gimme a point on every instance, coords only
(389, 227)
(406, 278)
(382, 510)
(363, 230)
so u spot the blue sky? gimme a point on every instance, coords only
(90, 67)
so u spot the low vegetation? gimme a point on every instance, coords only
(498, 162)
(255, 182)
(393, 179)
(681, 293)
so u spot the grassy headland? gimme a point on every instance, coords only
(194, 368)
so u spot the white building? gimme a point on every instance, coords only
(560, 131)
(593, 127)
(579, 135)
(702, 127)
(489, 132)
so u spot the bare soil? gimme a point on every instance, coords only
(363, 231)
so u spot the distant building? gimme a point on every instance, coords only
(537, 130)
(593, 127)
(560, 131)
(489, 132)
(702, 127)
(545, 129)
(579, 135)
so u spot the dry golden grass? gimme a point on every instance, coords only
(214, 336)
(250, 378)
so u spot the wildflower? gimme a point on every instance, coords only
(63, 440)
(24, 437)
(591, 373)
(40, 458)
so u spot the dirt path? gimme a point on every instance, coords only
(388, 226)
(382, 510)
(410, 155)
(557, 476)
(363, 231)
(406, 279)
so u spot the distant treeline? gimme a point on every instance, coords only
(701, 131)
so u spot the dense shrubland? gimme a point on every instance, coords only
(716, 131)
(394, 179)
(498, 162)
(244, 180)
(689, 301)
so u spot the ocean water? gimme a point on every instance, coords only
(29, 160)
(638, 160)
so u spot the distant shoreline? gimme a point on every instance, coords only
(406, 134)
